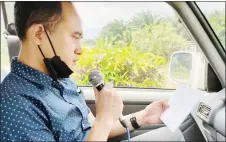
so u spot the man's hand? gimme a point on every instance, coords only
(108, 109)
(151, 114)
(109, 105)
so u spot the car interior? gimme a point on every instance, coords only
(206, 122)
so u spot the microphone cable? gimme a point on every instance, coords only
(121, 120)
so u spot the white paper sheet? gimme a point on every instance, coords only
(180, 105)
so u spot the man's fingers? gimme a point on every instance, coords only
(95, 90)
(165, 105)
(108, 85)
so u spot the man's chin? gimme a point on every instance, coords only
(72, 67)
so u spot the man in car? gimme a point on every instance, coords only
(39, 102)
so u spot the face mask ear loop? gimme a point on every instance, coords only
(41, 51)
(50, 42)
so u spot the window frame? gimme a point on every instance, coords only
(4, 14)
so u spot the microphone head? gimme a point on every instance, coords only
(95, 77)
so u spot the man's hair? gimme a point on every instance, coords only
(28, 13)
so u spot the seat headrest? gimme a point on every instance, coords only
(14, 45)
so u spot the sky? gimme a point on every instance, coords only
(95, 15)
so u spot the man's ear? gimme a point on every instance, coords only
(37, 33)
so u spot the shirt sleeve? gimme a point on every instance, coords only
(22, 120)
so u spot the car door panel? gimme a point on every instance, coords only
(133, 103)
(133, 94)
(133, 99)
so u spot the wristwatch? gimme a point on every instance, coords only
(133, 121)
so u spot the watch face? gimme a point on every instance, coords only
(133, 118)
(134, 123)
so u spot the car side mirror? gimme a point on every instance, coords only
(180, 69)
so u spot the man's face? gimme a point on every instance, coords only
(66, 36)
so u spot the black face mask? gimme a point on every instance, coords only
(56, 67)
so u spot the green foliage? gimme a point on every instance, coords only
(217, 21)
(161, 39)
(145, 18)
(131, 54)
(135, 53)
(180, 28)
(124, 66)
(116, 31)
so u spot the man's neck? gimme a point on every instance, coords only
(32, 59)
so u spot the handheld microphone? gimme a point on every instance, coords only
(97, 80)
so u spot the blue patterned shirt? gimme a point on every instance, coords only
(35, 108)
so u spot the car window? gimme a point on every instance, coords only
(131, 43)
(215, 14)
(5, 62)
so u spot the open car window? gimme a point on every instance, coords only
(131, 43)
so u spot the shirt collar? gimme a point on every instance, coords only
(30, 73)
